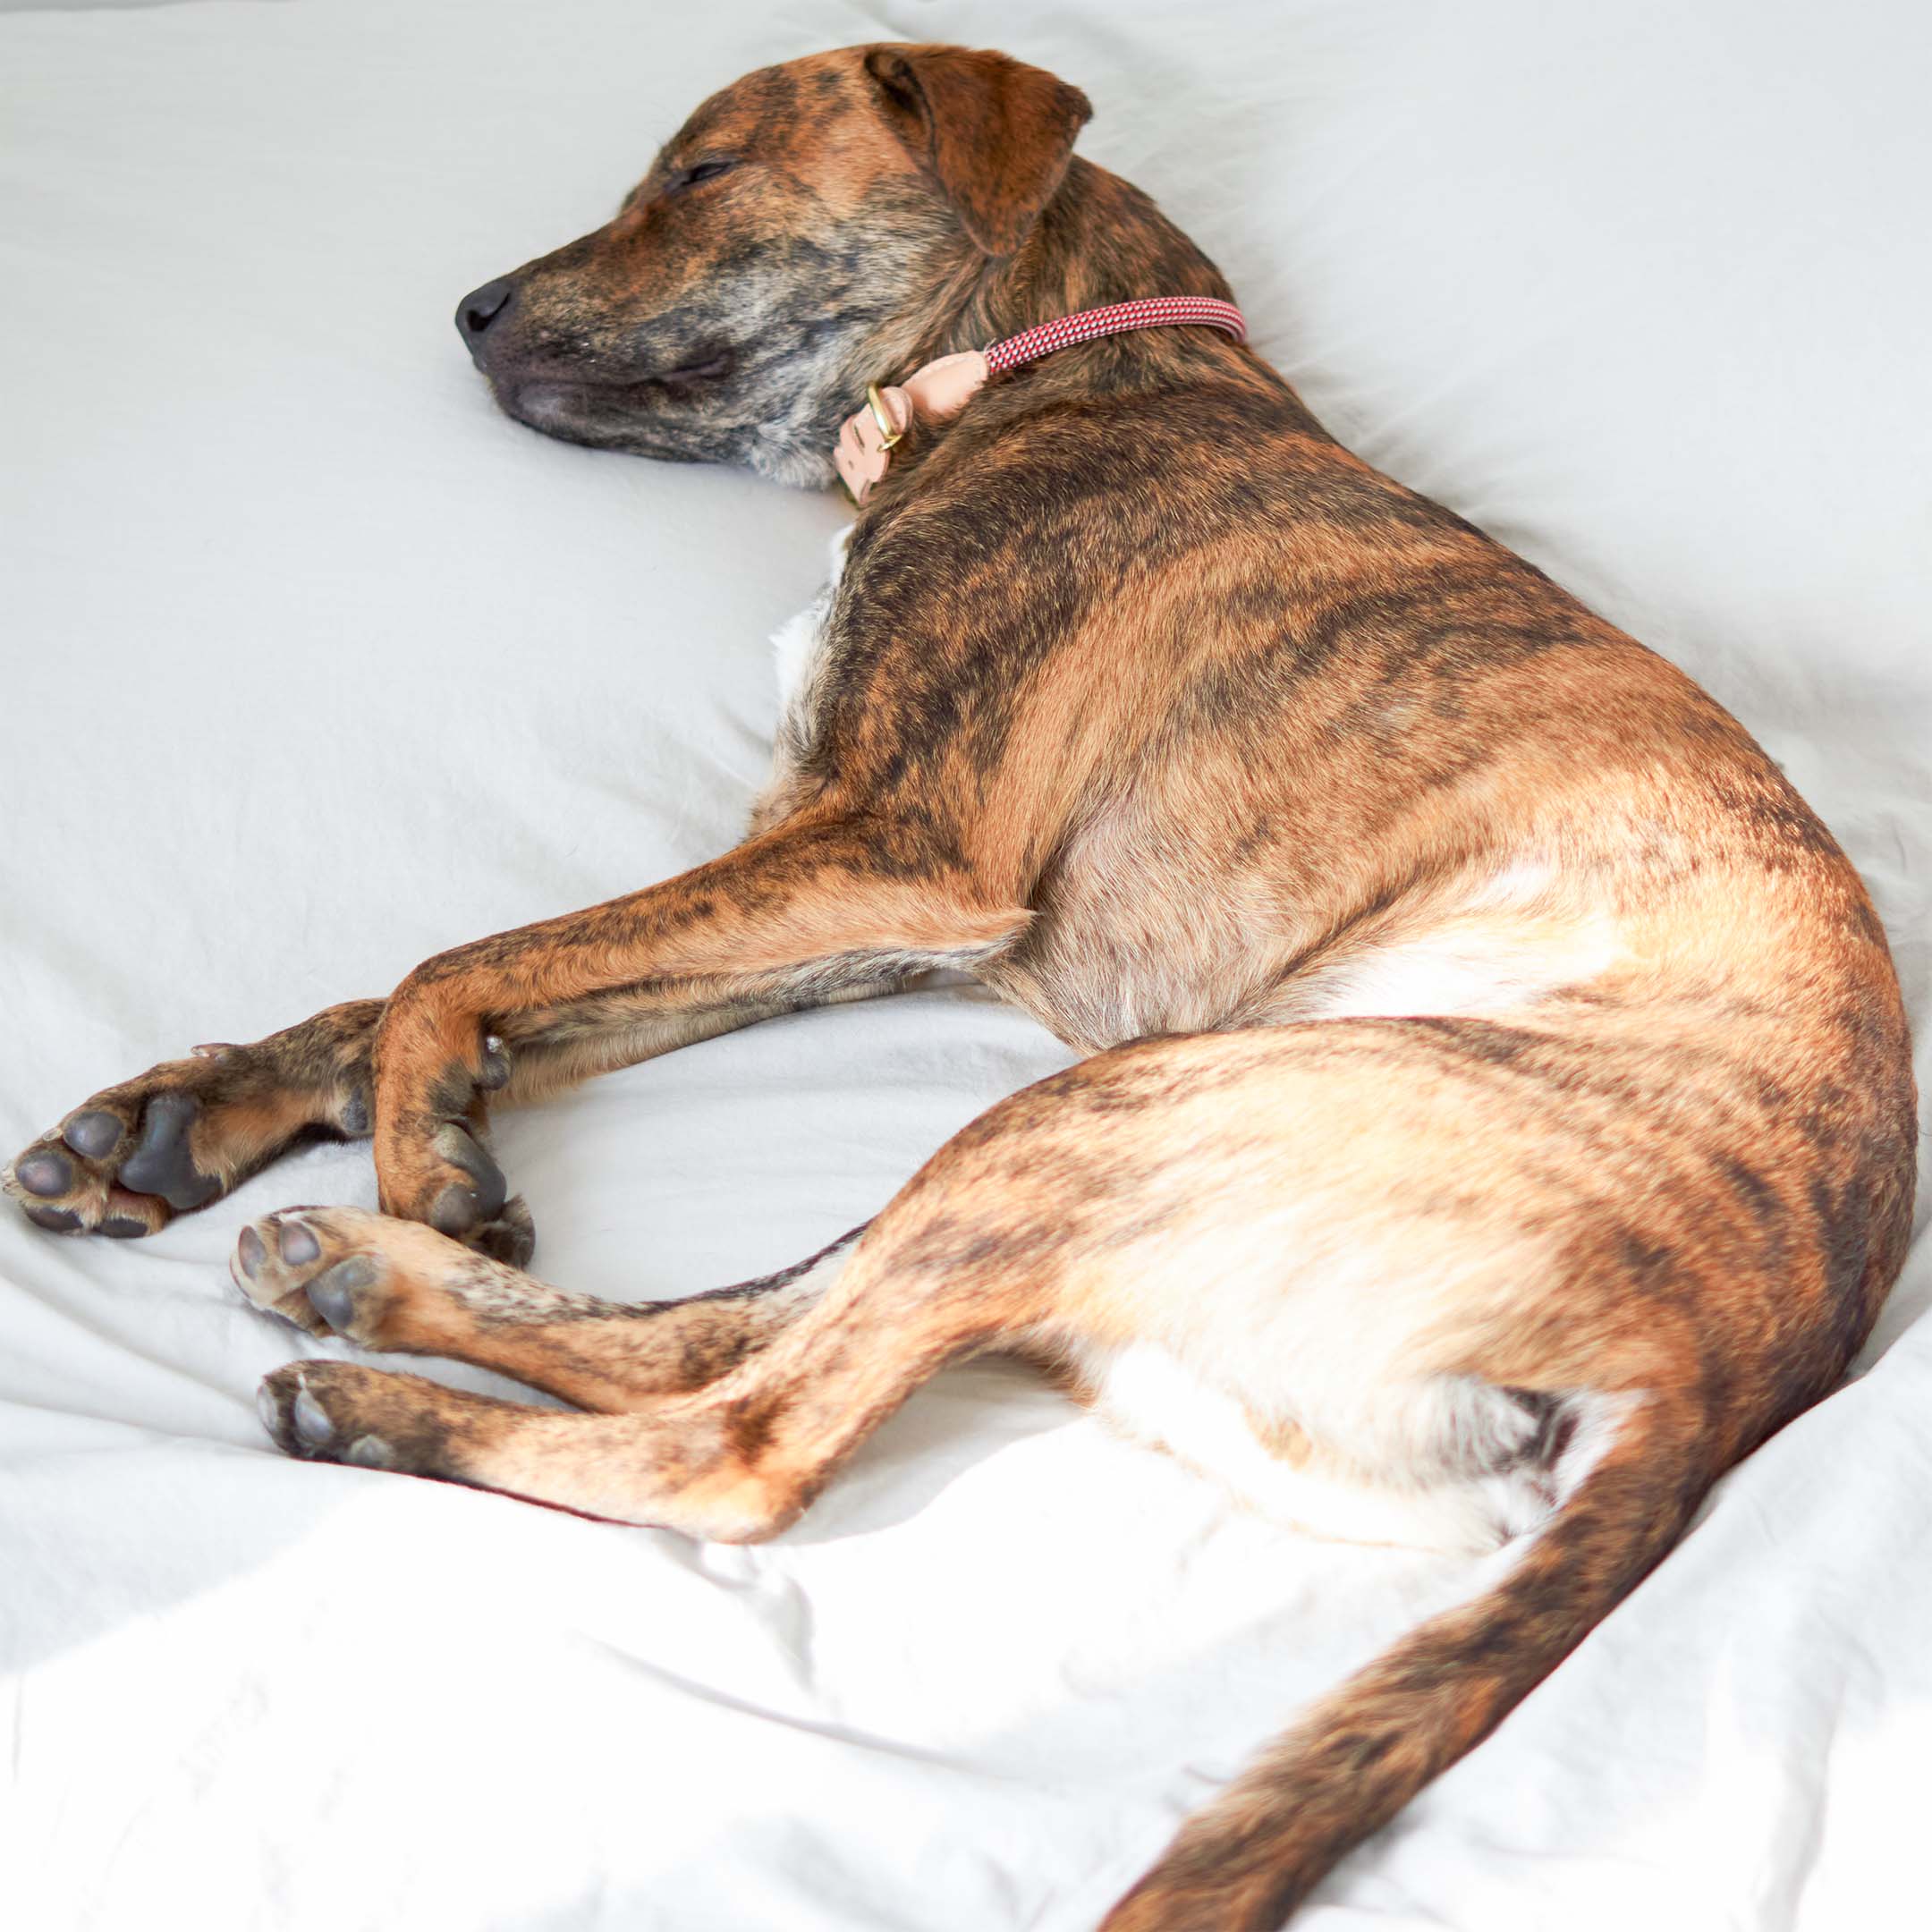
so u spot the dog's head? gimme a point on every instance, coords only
(804, 232)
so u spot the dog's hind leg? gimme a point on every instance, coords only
(1590, 1253)
(817, 1370)
(1307, 1226)
(398, 1286)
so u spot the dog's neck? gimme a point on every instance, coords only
(1098, 241)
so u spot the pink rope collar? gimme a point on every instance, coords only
(942, 389)
(1089, 325)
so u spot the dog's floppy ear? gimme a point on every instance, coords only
(996, 132)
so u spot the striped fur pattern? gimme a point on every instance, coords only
(1496, 1115)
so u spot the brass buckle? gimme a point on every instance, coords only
(882, 416)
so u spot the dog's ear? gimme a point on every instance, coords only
(996, 132)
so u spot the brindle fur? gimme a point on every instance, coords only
(1496, 1067)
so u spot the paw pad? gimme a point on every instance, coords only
(46, 1173)
(332, 1293)
(298, 1245)
(312, 1424)
(162, 1163)
(461, 1205)
(251, 1252)
(95, 1133)
(495, 1070)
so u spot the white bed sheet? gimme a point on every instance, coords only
(1640, 289)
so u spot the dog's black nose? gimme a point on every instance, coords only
(481, 307)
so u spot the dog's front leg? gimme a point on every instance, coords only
(814, 908)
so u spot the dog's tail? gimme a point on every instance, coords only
(1244, 1863)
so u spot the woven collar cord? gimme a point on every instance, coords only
(1089, 325)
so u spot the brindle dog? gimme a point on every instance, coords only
(1499, 1117)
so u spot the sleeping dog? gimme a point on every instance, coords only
(1496, 1117)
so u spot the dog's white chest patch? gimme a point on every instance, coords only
(798, 643)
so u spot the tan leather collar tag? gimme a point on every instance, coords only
(932, 393)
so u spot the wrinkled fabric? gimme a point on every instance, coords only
(314, 664)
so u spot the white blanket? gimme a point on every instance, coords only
(314, 664)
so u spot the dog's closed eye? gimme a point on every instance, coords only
(703, 171)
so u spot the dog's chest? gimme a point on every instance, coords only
(799, 645)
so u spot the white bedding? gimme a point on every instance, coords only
(313, 665)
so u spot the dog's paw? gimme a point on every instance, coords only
(340, 1412)
(454, 1186)
(510, 1237)
(343, 1271)
(128, 1160)
(432, 1162)
(329, 1411)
